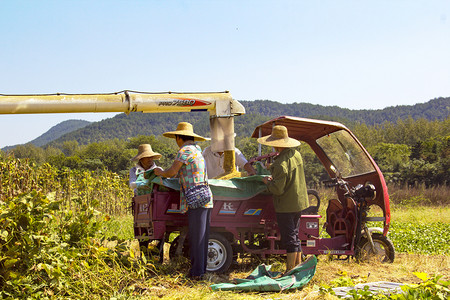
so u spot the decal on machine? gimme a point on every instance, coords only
(183, 102)
(312, 225)
(310, 243)
(334, 252)
(253, 212)
(227, 209)
(143, 208)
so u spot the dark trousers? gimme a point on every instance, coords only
(289, 223)
(199, 220)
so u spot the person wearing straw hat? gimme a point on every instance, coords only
(189, 166)
(288, 186)
(144, 162)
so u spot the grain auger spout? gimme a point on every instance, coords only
(221, 106)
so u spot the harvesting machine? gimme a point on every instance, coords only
(246, 225)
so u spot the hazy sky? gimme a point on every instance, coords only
(353, 54)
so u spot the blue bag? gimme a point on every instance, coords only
(197, 196)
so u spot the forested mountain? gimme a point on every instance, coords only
(436, 109)
(125, 126)
(59, 130)
(55, 132)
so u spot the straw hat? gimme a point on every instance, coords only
(145, 150)
(279, 138)
(184, 128)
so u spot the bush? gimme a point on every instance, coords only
(45, 252)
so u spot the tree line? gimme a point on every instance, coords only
(124, 126)
(408, 151)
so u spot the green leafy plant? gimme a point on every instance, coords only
(421, 238)
(430, 288)
(46, 251)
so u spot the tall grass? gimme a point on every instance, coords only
(404, 195)
(419, 195)
(104, 189)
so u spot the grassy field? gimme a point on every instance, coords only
(52, 253)
(53, 243)
(171, 282)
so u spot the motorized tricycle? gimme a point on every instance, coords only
(247, 225)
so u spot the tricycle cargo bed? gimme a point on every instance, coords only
(229, 215)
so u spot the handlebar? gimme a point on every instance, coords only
(262, 157)
(358, 193)
(330, 183)
(335, 182)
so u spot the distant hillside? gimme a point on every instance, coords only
(125, 126)
(56, 131)
(59, 130)
(436, 109)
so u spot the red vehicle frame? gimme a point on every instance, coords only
(249, 226)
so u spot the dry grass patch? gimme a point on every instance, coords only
(329, 273)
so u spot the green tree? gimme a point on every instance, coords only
(69, 147)
(30, 151)
(51, 151)
(314, 171)
(390, 157)
(248, 147)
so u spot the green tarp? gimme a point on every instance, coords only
(241, 188)
(263, 280)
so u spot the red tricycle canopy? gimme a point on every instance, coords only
(339, 151)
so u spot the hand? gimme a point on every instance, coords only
(249, 169)
(158, 171)
(267, 179)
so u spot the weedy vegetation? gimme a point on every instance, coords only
(68, 234)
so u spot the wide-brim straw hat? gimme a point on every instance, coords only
(184, 128)
(279, 138)
(145, 150)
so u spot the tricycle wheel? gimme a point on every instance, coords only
(384, 249)
(220, 254)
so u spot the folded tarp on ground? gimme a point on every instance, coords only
(241, 188)
(263, 280)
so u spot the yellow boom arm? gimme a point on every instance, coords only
(218, 104)
(221, 106)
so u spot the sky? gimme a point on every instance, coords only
(352, 54)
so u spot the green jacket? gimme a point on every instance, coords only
(288, 185)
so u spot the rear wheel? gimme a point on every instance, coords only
(220, 253)
(219, 256)
(383, 252)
